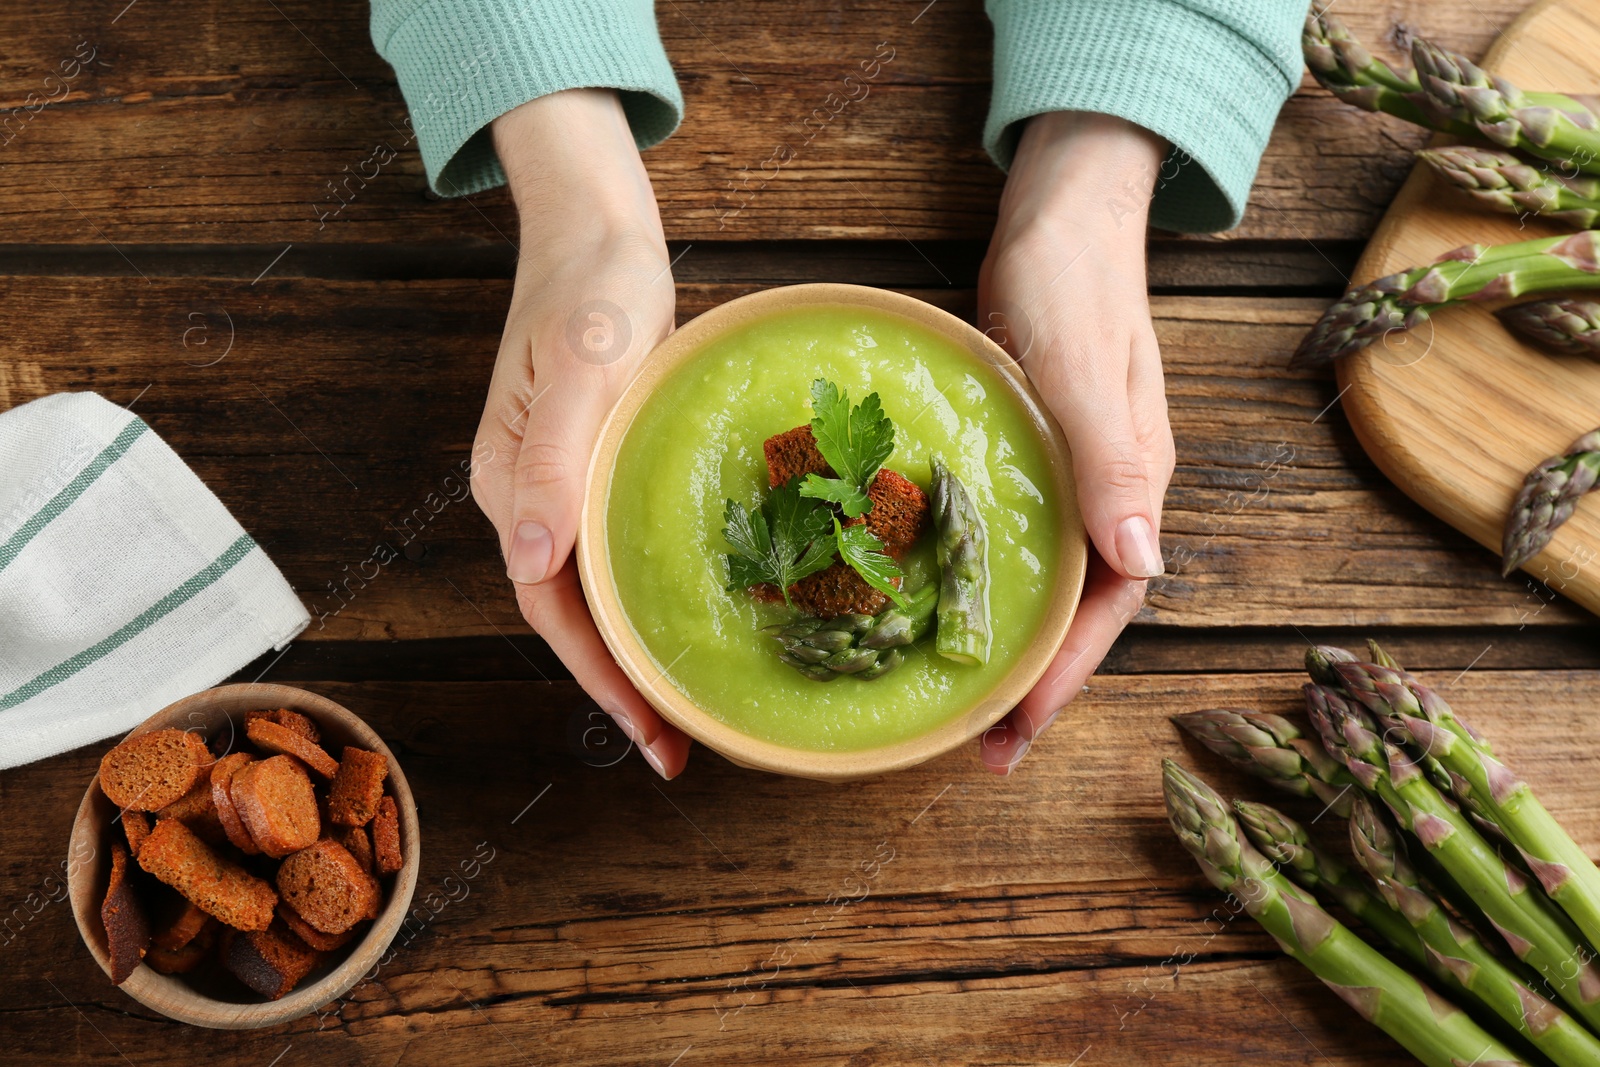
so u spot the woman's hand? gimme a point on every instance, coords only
(1063, 289)
(593, 295)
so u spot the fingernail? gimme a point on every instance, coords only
(1042, 727)
(1001, 747)
(1022, 750)
(530, 553)
(655, 762)
(626, 724)
(1138, 548)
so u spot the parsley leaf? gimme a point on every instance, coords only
(781, 542)
(854, 440)
(851, 500)
(864, 552)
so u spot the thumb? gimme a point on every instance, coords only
(548, 477)
(1116, 490)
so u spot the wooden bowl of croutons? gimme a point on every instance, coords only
(244, 857)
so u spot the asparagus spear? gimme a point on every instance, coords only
(1537, 932)
(962, 547)
(1474, 272)
(1287, 844)
(1510, 185)
(1430, 1027)
(1320, 660)
(1377, 655)
(1379, 851)
(866, 646)
(1423, 718)
(1570, 325)
(1547, 498)
(1332, 53)
(1548, 125)
(1273, 748)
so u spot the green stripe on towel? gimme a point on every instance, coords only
(74, 489)
(203, 579)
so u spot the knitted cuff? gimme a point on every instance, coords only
(1207, 75)
(463, 63)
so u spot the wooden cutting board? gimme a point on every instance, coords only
(1457, 411)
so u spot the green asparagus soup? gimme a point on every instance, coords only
(697, 442)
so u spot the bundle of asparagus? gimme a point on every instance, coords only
(1498, 905)
(1432, 1029)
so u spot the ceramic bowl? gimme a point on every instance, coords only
(600, 587)
(228, 1005)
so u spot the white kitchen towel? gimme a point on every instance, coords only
(124, 582)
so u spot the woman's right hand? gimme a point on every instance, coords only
(593, 295)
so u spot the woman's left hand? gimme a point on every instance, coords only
(1063, 290)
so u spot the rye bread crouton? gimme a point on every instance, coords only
(148, 772)
(222, 798)
(188, 957)
(300, 724)
(176, 856)
(793, 454)
(180, 925)
(357, 787)
(271, 961)
(272, 737)
(327, 887)
(899, 513)
(274, 800)
(386, 855)
(835, 590)
(358, 842)
(310, 934)
(198, 809)
(135, 827)
(127, 928)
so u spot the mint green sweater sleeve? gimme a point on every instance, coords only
(1207, 75)
(463, 63)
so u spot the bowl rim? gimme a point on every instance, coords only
(628, 650)
(170, 994)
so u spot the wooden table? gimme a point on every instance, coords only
(171, 240)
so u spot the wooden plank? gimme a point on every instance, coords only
(1142, 649)
(1179, 267)
(257, 129)
(335, 422)
(621, 920)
